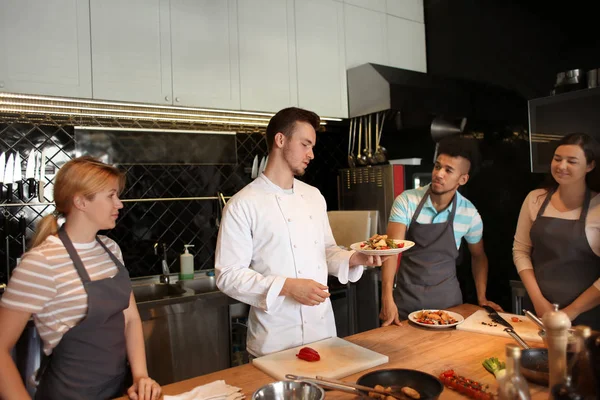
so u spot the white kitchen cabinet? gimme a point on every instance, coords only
(131, 54)
(407, 9)
(45, 47)
(320, 53)
(366, 36)
(406, 44)
(375, 5)
(267, 50)
(204, 40)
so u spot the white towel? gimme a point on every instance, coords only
(217, 390)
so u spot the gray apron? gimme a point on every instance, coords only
(426, 278)
(90, 362)
(563, 261)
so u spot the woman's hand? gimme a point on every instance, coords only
(144, 389)
(542, 306)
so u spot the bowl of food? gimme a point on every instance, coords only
(289, 390)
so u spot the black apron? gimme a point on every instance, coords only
(563, 261)
(90, 362)
(426, 278)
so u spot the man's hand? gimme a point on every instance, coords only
(305, 291)
(389, 312)
(495, 306)
(144, 389)
(369, 261)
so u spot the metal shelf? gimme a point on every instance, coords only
(123, 200)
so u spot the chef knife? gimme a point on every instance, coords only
(18, 177)
(8, 176)
(42, 177)
(2, 164)
(496, 317)
(30, 174)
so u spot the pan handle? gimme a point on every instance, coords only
(534, 318)
(517, 338)
(326, 384)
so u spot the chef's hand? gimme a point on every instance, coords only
(369, 261)
(389, 312)
(144, 389)
(542, 306)
(495, 306)
(305, 291)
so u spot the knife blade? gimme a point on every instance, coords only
(493, 314)
(8, 177)
(42, 177)
(18, 178)
(30, 174)
(2, 165)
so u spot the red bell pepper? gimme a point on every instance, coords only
(308, 354)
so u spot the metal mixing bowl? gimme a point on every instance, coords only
(289, 390)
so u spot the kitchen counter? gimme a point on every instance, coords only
(409, 346)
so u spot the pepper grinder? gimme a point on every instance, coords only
(557, 324)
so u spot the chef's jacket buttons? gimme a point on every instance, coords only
(318, 267)
(316, 242)
(278, 197)
(289, 220)
(310, 216)
(295, 246)
(299, 272)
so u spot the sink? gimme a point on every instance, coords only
(206, 284)
(156, 291)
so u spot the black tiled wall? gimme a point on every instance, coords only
(143, 223)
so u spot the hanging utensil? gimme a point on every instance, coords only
(380, 151)
(30, 174)
(23, 233)
(18, 178)
(2, 167)
(9, 177)
(370, 159)
(351, 162)
(361, 158)
(41, 183)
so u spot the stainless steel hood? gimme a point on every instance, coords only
(374, 87)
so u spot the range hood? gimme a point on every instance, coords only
(374, 87)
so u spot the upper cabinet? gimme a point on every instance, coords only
(255, 55)
(407, 9)
(320, 50)
(204, 40)
(131, 56)
(267, 51)
(45, 47)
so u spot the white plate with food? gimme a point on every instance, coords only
(436, 318)
(381, 245)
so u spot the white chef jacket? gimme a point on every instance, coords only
(266, 235)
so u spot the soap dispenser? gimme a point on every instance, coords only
(186, 262)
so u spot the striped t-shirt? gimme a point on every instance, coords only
(467, 221)
(47, 285)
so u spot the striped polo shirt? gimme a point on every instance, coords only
(467, 221)
(47, 285)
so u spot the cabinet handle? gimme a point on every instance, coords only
(167, 98)
(177, 99)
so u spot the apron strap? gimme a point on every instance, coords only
(114, 258)
(420, 206)
(584, 207)
(545, 203)
(62, 234)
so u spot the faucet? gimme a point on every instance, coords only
(164, 278)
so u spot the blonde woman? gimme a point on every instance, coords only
(75, 286)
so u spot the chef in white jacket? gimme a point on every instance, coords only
(275, 247)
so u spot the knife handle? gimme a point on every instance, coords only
(41, 192)
(20, 190)
(31, 185)
(9, 192)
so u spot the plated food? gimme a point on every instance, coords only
(382, 245)
(436, 318)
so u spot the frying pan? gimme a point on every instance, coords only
(534, 361)
(428, 386)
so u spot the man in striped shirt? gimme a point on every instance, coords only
(436, 217)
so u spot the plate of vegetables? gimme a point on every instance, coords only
(382, 245)
(436, 318)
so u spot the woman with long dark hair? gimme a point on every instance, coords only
(75, 286)
(557, 242)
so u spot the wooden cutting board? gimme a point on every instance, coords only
(339, 358)
(526, 329)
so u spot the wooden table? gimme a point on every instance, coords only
(409, 346)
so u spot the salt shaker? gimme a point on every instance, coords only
(557, 324)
